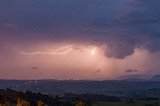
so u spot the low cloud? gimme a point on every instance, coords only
(35, 68)
(131, 70)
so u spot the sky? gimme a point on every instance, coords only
(79, 39)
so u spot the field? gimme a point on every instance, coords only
(134, 103)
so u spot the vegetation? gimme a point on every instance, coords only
(9, 97)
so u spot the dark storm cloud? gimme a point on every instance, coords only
(121, 24)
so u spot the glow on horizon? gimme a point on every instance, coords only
(70, 60)
(74, 61)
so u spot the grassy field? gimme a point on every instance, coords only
(134, 103)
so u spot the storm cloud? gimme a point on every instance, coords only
(122, 25)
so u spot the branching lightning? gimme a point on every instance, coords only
(60, 51)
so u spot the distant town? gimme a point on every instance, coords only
(80, 92)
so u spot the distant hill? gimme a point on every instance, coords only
(118, 88)
(135, 79)
(156, 78)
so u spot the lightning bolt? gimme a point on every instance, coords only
(93, 51)
(60, 51)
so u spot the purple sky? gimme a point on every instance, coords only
(105, 39)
